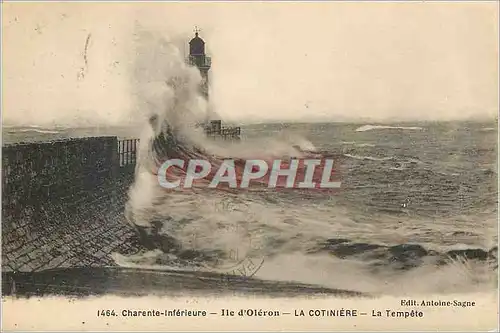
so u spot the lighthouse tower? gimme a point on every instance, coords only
(198, 58)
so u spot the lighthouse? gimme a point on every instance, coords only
(198, 58)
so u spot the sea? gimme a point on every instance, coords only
(417, 211)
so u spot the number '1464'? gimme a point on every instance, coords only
(106, 313)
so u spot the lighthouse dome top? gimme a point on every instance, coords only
(196, 45)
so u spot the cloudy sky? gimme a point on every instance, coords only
(271, 61)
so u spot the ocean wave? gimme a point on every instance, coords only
(358, 144)
(399, 162)
(365, 128)
(370, 158)
(453, 174)
(27, 130)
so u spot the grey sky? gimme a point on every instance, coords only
(295, 61)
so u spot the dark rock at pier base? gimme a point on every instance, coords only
(402, 256)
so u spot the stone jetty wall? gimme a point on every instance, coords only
(63, 203)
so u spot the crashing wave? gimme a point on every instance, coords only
(167, 90)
